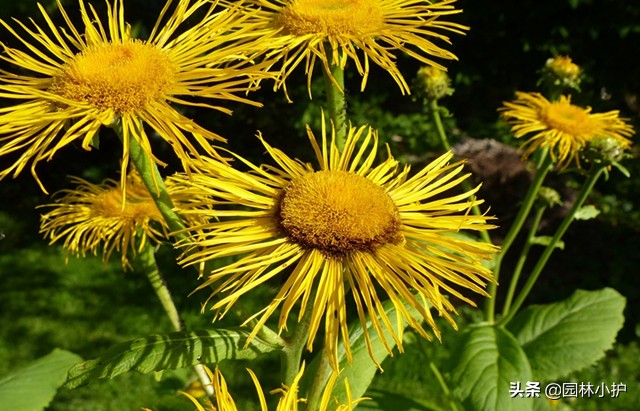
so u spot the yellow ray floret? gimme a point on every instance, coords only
(72, 81)
(349, 230)
(561, 127)
(289, 398)
(361, 31)
(92, 218)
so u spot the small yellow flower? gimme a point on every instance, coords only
(350, 226)
(564, 70)
(288, 401)
(72, 81)
(363, 31)
(561, 127)
(432, 83)
(93, 217)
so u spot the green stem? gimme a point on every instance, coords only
(535, 273)
(152, 179)
(291, 355)
(544, 165)
(522, 259)
(336, 103)
(443, 385)
(147, 261)
(437, 120)
(320, 378)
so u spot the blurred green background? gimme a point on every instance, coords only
(85, 306)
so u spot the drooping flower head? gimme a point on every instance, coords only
(92, 218)
(363, 31)
(288, 400)
(375, 232)
(561, 127)
(73, 81)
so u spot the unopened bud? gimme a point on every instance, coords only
(432, 83)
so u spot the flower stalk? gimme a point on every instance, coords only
(587, 187)
(544, 165)
(336, 102)
(522, 259)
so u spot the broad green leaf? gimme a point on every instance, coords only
(168, 351)
(569, 335)
(487, 361)
(33, 387)
(586, 213)
(380, 400)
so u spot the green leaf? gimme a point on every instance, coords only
(33, 387)
(168, 351)
(569, 335)
(545, 240)
(586, 213)
(379, 400)
(488, 360)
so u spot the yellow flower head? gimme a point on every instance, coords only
(561, 127)
(92, 218)
(563, 68)
(364, 31)
(432, 83)
(375, 231)
(288, 401)
(71, 82)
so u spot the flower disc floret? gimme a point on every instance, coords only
(122, 77)
(338, 213)
(333, 17)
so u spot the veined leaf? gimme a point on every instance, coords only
(32, 387)
(569, 335)
(489, 359)
(168, 351)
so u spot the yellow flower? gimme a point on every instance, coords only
(563, 68)
(377, 231)
(72, 81)
(92, 218)
(561, 127)
(364, 31)
(432, 83)
(288, 401)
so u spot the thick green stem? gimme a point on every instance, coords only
(147, 261)
(320, 378)
(291, 355)
(535, 273)
(152, 179)
(336, 103)
(522, 259)
(544, 165)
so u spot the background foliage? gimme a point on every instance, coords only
(85, 306)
